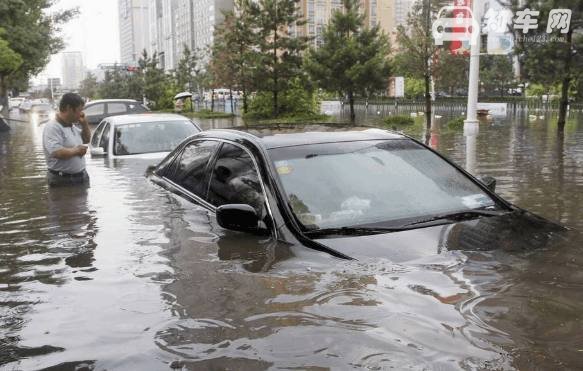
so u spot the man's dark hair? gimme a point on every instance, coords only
(72, 100)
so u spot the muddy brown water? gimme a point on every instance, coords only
(123, 275)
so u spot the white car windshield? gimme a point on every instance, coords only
(336, 185)
(163, 136)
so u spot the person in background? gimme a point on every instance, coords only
(65, 144)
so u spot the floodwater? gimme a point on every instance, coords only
(125, 276)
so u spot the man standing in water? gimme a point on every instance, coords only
(64, 143)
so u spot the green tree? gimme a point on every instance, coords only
(497, 73)
(552, 62)
(89, 86)
(414, 88)
(221, 69)
(31, 33)
(154, 79)
(10, 61)
(417, 49)
(186, 70)
(450, 71)
(233, 49)
(296, 101)
(352, 59)
(114, 85)
(278, 54)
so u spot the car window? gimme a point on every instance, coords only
(104, 142)
(148, 137)
(190, 168)
(97, 134)
(135, 107)
(331, 186)
(234, 180)
(96, 109)
(116, 108)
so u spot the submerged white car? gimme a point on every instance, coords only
(149, 135)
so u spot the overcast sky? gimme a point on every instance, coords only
(94, 32)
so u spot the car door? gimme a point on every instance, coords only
(198, 173)
(234, 179)
(104, 139)
(187, 173)
(95, 113)
(96, 137)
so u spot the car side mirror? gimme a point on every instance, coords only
(489, 182)
(238, 217)
(97, 151)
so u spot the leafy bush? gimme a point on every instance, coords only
(414, 88)
(456, 123)
(295, 101)
(399, 120)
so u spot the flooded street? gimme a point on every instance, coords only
(126, 276)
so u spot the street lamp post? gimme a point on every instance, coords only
(471, 126)
(474, 78)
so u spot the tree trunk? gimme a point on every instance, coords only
(275, 104)
(3, 97)
(427, 101)
(275, 77)
(244, 100)
(213, 100)
(351, 103)
(231, 97)
(565, 87)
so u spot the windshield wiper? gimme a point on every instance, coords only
(459, 215)
(436, 219)
(352, 231)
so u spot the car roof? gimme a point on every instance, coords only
(112, 101)
(313, 134)
(145, 118)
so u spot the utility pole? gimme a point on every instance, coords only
(471, 126)
(427, 72)
(473, 86)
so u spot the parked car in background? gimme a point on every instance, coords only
(15, 102)
(41, 112)
(148, 135)
(27, 105)
(97, 110)
(368, 193)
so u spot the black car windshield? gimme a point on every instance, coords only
(148, 137)
(336, 185)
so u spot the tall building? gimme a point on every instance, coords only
(73, 70)
(175, 24)
(207, 14)
(162, 28)
(402, 9)
(318, 13)
(134, 29)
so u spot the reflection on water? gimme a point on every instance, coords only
(123, 275)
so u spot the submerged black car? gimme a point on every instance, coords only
(365, 193)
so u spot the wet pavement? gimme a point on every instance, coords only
(123, 275)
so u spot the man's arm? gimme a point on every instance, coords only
(85, 130)
(67, 153)
(53, 144)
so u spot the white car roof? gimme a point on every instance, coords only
(145, 118)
